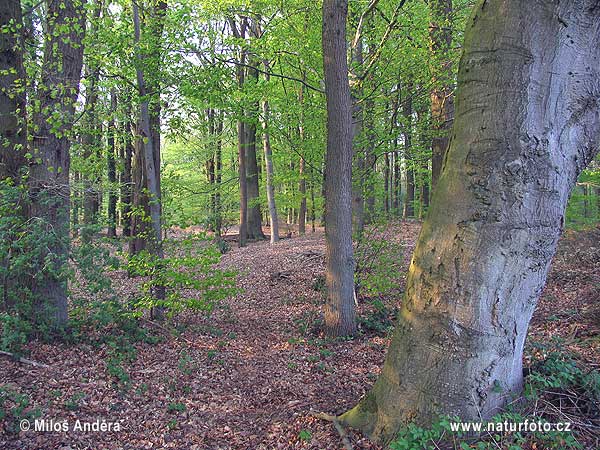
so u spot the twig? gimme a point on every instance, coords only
(24, 360)
(338, 426)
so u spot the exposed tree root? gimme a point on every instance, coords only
(338, 426)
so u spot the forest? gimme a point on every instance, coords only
(300, 224)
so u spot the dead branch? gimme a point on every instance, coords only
(24, 360)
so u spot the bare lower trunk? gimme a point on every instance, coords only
(49, 177)
(254, 216)
(269, 169)
(526, 124)
(409, 202)
(126, 179)
(112, 172)
(340, 317)
(150, 132)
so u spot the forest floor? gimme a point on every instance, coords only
(248, 376)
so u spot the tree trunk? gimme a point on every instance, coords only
(241, 136)
(151, 163)
(442, 98)
(273, 220)
(49, 175)
(340, 317)
(126, 178)
(13, 127)
(358, 172)
(254, 215)
(526, 124)
(218, 170)
(409, 202)
(302, 166)
(112, 171)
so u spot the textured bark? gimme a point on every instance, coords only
(442, 98)
(13, 129)
(340, 317)
(526, 124)
(49, 174)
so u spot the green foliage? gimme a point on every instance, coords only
(378, 264)
(189, 277)
(176, 407)
(414, 437)
(15, 407)
(583, 209)
(305, 435)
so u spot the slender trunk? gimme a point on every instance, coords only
(112, 171)
(484, 251)
(273, 220)
(49, 176)
(126, 178)
(358, 155)
(340, 316)
(313, 212)
(211, 170)
(241, 135)
(409, 202)
(302, 191)
(151, 163)
(386, 184)
(218, 170)
(302, 165)
(140, 208)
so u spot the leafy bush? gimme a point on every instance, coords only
(189, 278)
(378, 264)
(14, 407)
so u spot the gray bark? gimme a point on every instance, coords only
(339, 309)
(274, 221)
(49, 175)
(527, 122)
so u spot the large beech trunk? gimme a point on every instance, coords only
(49, 175)
(527, 122)
(339, 309)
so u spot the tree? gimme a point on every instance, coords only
(49, 173)
(13, 130)
(273, 220)
(526, 125)
(340, 317)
